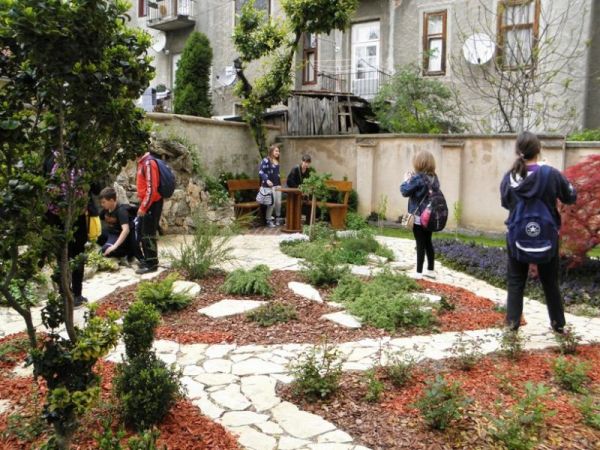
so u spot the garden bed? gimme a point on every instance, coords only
(470, 312)
(393, 422)
(183, 428)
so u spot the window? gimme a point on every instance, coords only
(365, 58)
(261, 5)
(309, 60)
(518, 27)
(142, 8)
(434, 43)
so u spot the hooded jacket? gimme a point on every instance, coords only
(547, 185)
(417, 189)
(148, 179)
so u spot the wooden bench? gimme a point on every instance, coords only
(338, 211)
(242, 208)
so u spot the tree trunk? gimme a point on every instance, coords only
(313, 213)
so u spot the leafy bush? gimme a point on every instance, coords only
(100, 263)
(192, 88)
(518, 427)
(590, 135)
(568, 340)
(441, 403)
(321, 232)
(147, 389)
(400, 369)
(348, 289)
(209, 247)
(145, 441)
(512, 344)
(251, 282)
(138, 328)
(317, 372)
(355, 221)
(356, 250)
(590, 410)
(273, 313)
(571, 374)
(374, 386)
(578, 285)
(322, 267)
(467, 352)
(411, 103)
(160, 294)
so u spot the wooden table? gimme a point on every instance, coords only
(293, 213)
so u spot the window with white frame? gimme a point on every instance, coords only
(518, 28)
(434, 43)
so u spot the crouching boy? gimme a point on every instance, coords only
(117, 238)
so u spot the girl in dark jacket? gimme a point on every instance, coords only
(270, 177)
(416, 186)
(525, 180)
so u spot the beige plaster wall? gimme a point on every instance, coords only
(470, 168)
(222, 146)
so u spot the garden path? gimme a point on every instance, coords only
(235, 385)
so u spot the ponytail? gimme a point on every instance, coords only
(527, 147)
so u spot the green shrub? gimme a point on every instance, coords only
(147, 389)
(297, 248)
(590, 410)
(518, 427)
(321, 232)
(145, 441)
(273, 313)
(109, 440)
(374, 387)
(355, 221)
(385, 252)
(209, 247)
(317, 372)
(512, 344)
(355, 250)
(192, 88)
(100, 263)
(467, 352)
(571, 374)
(249, 282)
(567, 341)
(138, 328)
(348, 289)
(585, 135)
(441, 403)
(321, 267)
(160, 294)
(400, 368)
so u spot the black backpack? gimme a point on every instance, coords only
(166, 186)
(435, 214)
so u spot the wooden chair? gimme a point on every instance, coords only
(338, 211)
(242, 208)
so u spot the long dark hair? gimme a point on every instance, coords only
(528, 146)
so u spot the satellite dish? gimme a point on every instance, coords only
(479, 48)
(227, 76)
(159, 41)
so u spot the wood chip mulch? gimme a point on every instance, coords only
(393, 423)
(184, 428)
(471, 312)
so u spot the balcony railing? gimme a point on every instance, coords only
(365, 84)
(167, 15)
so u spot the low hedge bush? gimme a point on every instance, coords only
(249, 282)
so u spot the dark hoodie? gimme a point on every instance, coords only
(535, 186)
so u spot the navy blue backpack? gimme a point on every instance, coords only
(166, 186)
(532, 230)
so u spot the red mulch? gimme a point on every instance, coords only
(188, 326)
(9, 361)
(394, 424)
(185, 428)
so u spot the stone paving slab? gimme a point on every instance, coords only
(343, 318)
(305, 290)
(230, 307)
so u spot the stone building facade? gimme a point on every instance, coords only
(387, 34)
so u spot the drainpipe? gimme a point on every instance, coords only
(392, 33)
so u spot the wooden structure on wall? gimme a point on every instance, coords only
(323, 113)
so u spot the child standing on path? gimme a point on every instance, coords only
(149, 212)
(527, 180)
(416, 187)
(270, 178)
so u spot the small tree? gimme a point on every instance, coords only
(256, 36)
(411, 103)
(315, 186)
(580, 231)
(74, 70)
(192, 86)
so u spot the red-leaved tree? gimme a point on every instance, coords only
(580, 230)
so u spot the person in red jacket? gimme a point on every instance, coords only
(151, 205)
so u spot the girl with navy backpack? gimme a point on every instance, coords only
(530, 191)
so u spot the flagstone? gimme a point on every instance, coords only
(230, 307)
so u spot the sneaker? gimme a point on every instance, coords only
(144, 270)
(271, 224)
(79, 300)
(279, 221)
(430, 274)
(416, 276)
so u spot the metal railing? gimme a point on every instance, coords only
(160, 10)
(364, 84)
